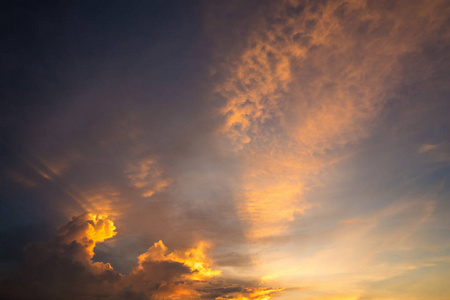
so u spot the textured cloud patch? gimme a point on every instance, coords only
(309, 83)
(148, 177)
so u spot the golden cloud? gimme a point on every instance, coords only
(311, 81)
(70, 272)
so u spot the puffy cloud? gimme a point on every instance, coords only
(63, 268)
(194, 258)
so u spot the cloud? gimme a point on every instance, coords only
(63, 268)
(438, 152)
(147, 176)
(273, 147)
(194, 258)
(309, 83)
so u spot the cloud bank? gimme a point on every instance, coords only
(63, 268)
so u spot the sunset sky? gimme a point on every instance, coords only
(238, 149)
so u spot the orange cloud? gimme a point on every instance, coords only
(307, 87)
(63, 268)
(147, 176)
(254, 294)
(194, 258)
(87, 230)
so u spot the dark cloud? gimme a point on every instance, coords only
(63, 268)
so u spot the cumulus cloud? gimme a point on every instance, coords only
(63, 268)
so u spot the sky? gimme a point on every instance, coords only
(240, 149)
